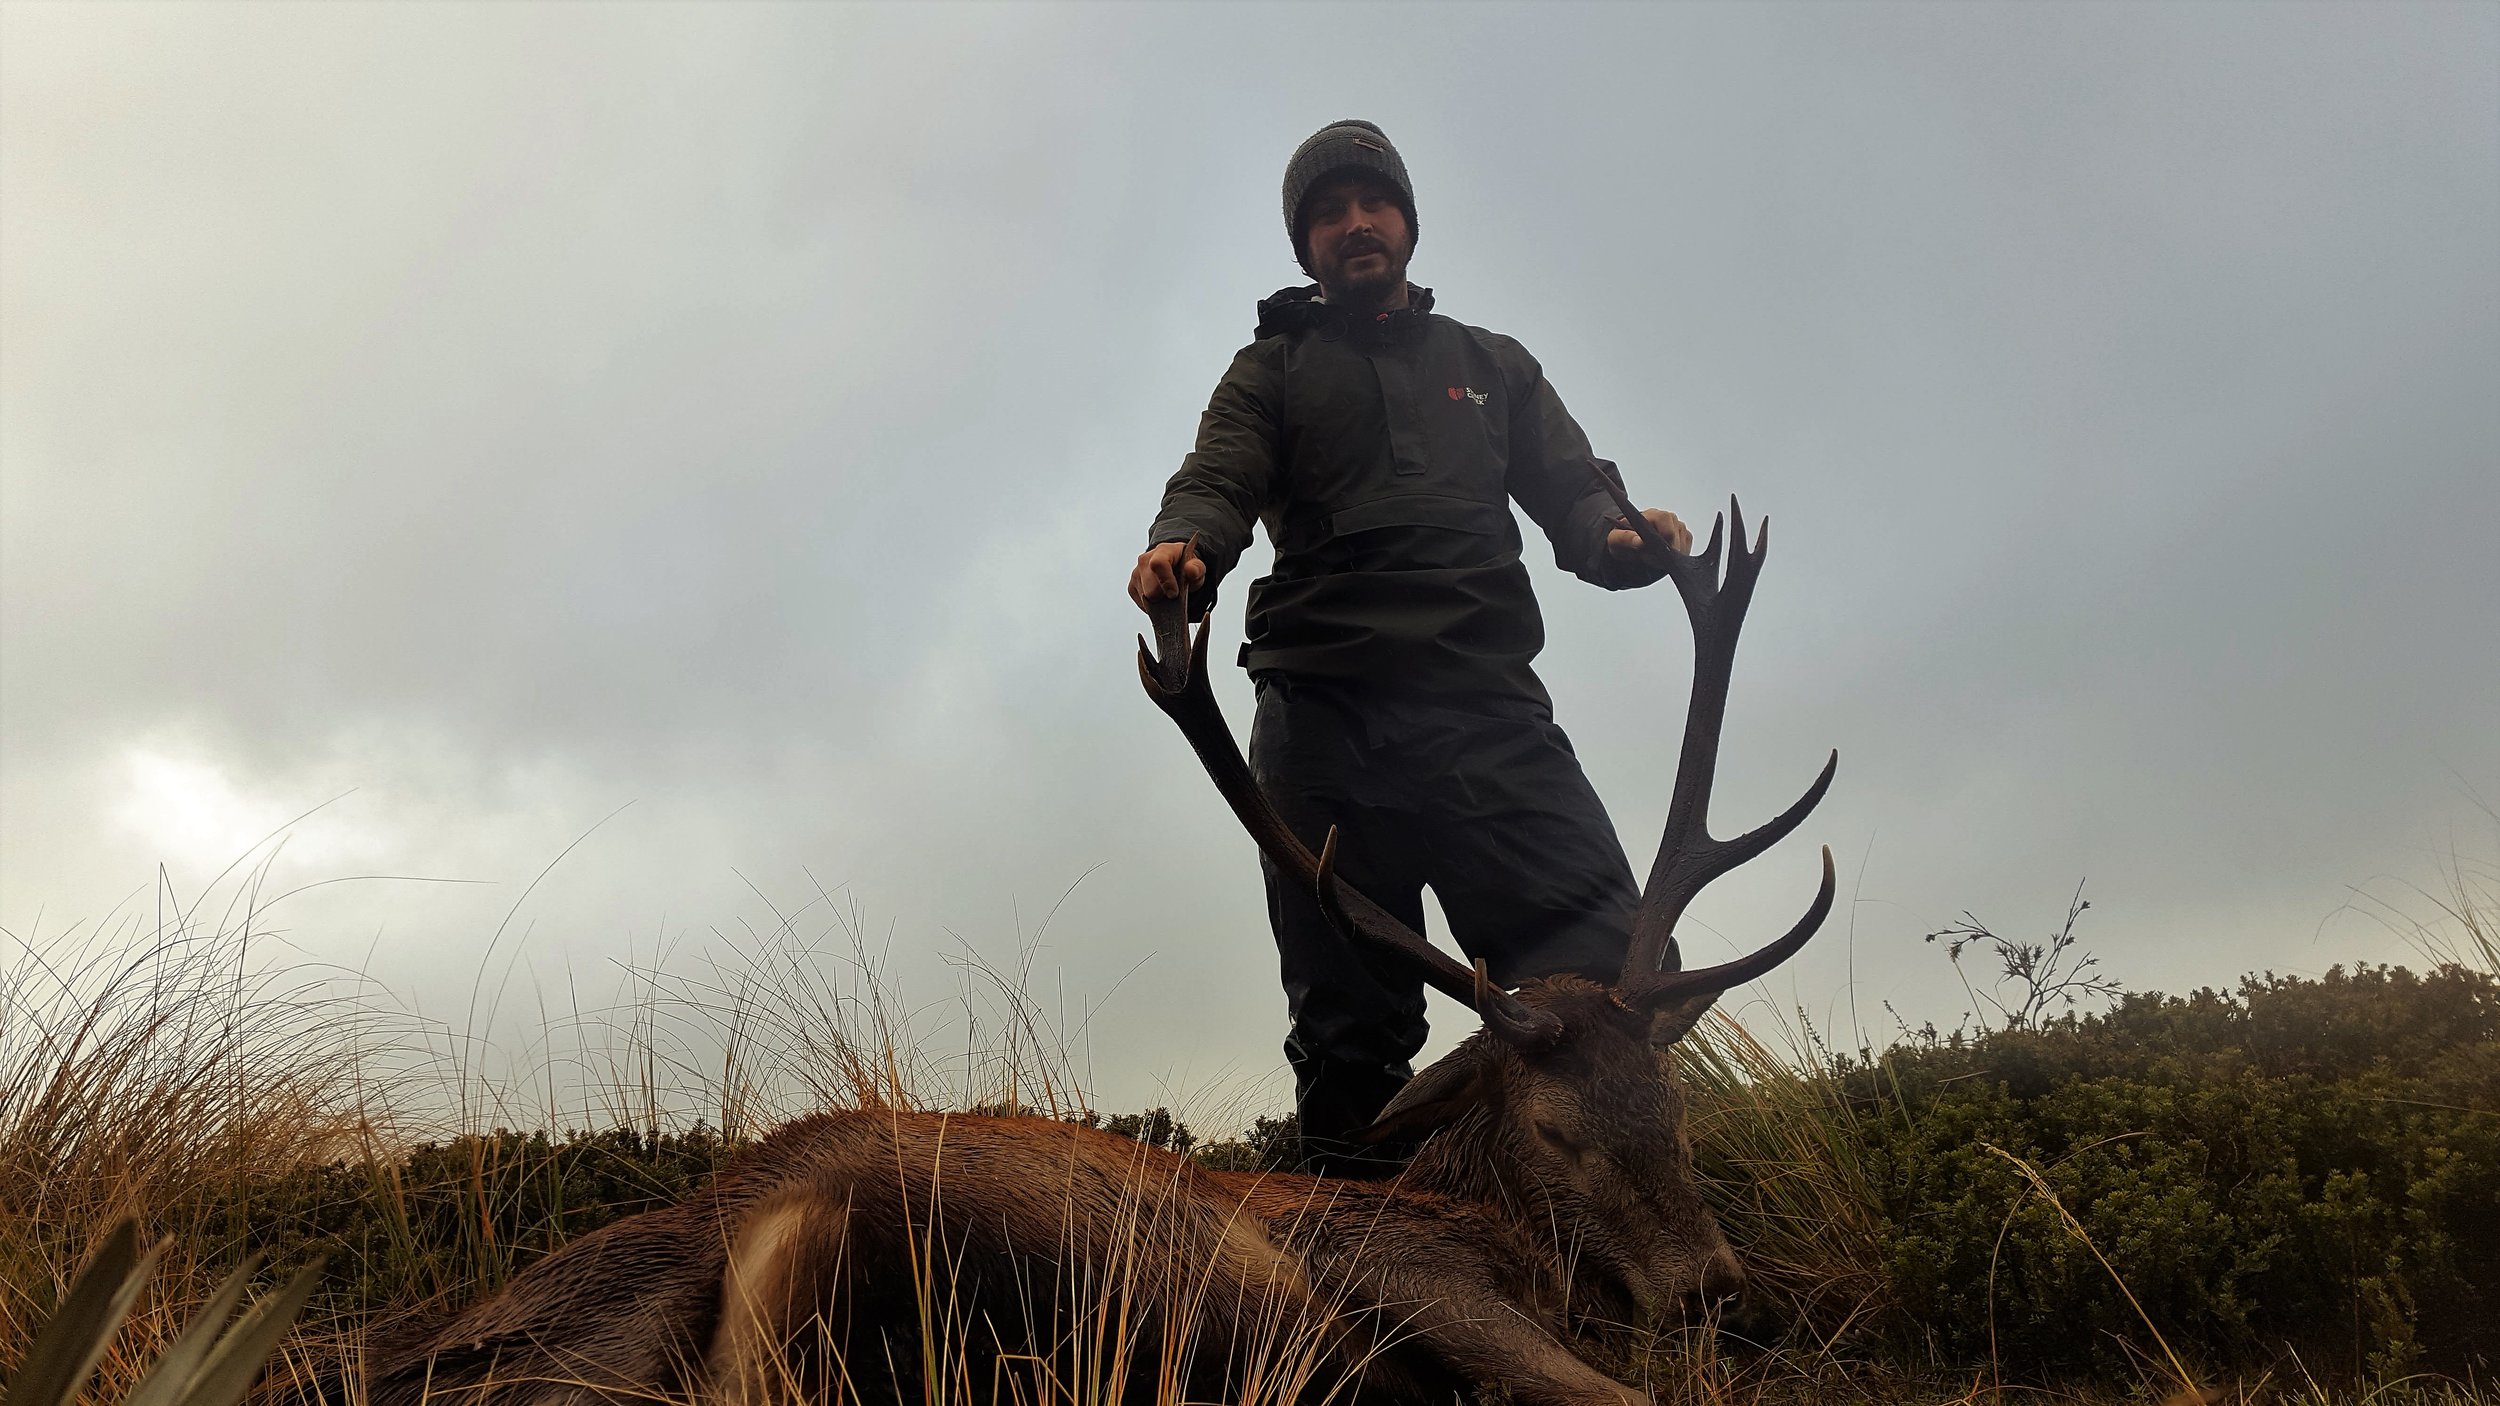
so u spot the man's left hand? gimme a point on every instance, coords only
(1624, 541)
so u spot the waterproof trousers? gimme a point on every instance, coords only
(1477, 797)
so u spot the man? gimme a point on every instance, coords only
(1381, 445)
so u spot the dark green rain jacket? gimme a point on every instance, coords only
(1382, 455)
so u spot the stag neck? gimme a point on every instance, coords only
(1471, 1161)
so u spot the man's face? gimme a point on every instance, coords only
(1357, 237)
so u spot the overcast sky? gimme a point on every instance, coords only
(747, 416)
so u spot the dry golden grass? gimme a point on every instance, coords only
(156, 1069)
(1771, 1137)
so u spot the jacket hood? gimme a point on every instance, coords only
(1300, 310)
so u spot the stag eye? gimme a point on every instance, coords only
(1560, 1140)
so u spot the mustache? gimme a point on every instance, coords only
(1361, 244)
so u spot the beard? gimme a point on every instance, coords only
(1378, 279)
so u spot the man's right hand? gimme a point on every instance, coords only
(1161, 570)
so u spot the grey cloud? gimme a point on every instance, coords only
(749, 414)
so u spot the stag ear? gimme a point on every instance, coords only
(1431, 1101)
(1673, 1021)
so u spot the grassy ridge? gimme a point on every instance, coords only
(2281, 1186)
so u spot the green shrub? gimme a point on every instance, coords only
(1269, 1144)
(452, 1218)
(2311, 1166)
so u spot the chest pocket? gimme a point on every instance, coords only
(1336, 432)
(1466, 421)
(1459, 410)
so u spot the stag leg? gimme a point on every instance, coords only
(1456, 1301)
(774, 1290)
(1491, 1345)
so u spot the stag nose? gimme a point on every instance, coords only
(1722, 1279)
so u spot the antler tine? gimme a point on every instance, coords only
(1655, 989)
(1178, 684)
(1173, 657)
(1688, 857)
(1504, 1014)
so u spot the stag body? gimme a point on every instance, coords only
(1552, 1203)
(1551, 1199)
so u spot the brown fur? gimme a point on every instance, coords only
(1552, 1199)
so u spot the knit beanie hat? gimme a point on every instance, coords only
(1337, 147)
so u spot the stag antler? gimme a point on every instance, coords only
(1177, 681)
(1688, 856)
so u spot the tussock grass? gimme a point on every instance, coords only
(1773, 1140)
(152, 1066)
(2453, 920)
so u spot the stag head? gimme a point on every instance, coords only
(1586, 1137)
(1564, 1109)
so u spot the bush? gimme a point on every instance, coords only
(444, 1220)
(2304, 1166)
(1270, 1144)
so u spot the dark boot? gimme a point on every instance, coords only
(1336, 1102)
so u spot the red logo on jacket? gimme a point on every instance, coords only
(1468, 393)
